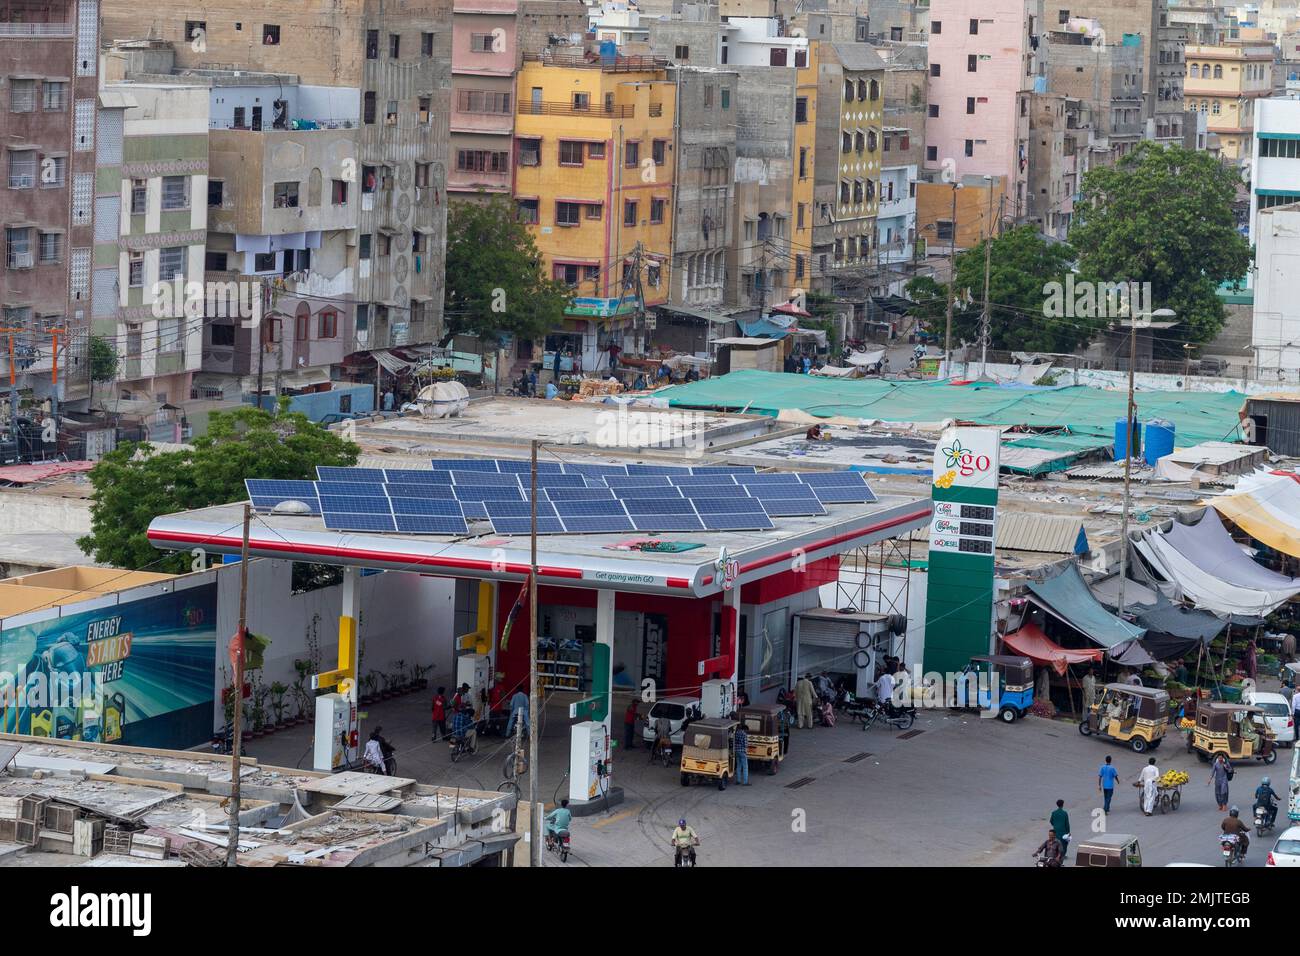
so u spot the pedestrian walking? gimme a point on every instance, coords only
(803, 697)
(742, 756)
(1148, 777)
(1106, 777)
(1220, 775)
(439, 714)
(629, 725)
(1060, 821)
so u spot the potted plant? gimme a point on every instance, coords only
(278, 702)
(400, 682)
(260, 694)
(302, 668)
(421, 682)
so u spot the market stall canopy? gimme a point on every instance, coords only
(1136, 595)
(1267, 507)
(1181, 622)
(873, 357)
(1041, 649)
(1065, 594)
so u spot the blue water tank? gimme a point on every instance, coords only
(1121, 436)
(1159, 439)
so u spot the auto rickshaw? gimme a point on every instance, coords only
(767, 734)
(1014, 679)
(1238, 731)
(1127, 713)
(1109, 849)
(709, 751)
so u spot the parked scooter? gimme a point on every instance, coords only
(900, 718)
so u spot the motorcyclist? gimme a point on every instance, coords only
(1232, 823)
(684, 841)
(1050, 850)
(1266, 798)
(663, 736)
(557, 822)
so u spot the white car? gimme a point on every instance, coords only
(1277, 711)
(678, 710)
(1286, 851)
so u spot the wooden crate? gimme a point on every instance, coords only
(117, 840)
(59, 818)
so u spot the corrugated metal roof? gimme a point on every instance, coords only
(1023, 531)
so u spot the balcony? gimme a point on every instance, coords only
(583, 61)
(293, 125)
(42, 30)
(568, 109)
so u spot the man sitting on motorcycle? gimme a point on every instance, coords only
(1266, 798)
(663, 737)
(1232, 824)
(462, 728)
(557, 822)
(1051, 851)
(684, 841)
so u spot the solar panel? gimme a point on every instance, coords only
(717, 491)
(575, 494)
(332, 473)
(737, 504)
(271, 502)
(736, 522)
(473, 509)
(518, 509)
(839, 487)
(266, 493)
(657, 470)
(756, 480)
(705, 481)
(597, 524)
(413, 476)
(484, 478)
(464, 464)
(593, 469)
(555, 481)
(594, 506)
(488, 493)
(547, 525)
(412, 490)
(658, 506)
(364, 489)
(426, 506)
(430, 524)
(355, 504)
(723, 470)
(525, 467)
(784, 504)
(351, 521)
(657, 523)
(639, 481)
(850, 479)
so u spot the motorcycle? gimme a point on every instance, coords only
(223, 741)
(685, 855)
(662, 751)
(1234, 853)
(560, 843)
(459, 747)
(1264, 821)
(900, 718)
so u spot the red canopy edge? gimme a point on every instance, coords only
(1041, 649)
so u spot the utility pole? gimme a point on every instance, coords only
(988, 268)
(1129, 423)
(13, 388)
(236, 720)
(534, 698)
(952, 281)
(261, 346)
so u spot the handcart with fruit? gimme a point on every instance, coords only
(1169, 791)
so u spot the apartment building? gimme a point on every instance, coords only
(1275, 158)
(151, 214)
(49, 66)
(594, 178)
(902, 152)
(1053, 163)
(484, 56)
(1101, 77)
(982, 69)
(1225, 82)
(1275, 320)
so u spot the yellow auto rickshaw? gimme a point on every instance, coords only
(768, 737)
(709, 751)
(1128, 713)
(1237, 731)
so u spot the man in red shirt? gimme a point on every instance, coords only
(629, 725)
(439, 713)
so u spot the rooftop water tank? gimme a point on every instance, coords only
(1159, 440)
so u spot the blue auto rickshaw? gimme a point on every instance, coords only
(997, 682)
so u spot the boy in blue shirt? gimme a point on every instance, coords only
(1106, 777)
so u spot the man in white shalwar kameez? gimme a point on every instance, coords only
(1148, 777)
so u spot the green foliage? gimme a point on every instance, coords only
(103, 360)
(1163, 215)
(132, 489)
(495, 282)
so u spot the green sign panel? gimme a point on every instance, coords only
(959, 591)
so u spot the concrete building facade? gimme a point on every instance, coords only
(1224, 83)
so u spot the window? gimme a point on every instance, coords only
(970, 104)
(970, 147)
(171, 263)
(800, 109)
(799, 216)
(302, 323)
(339, 192)
(974, 26)
(848, 91)
(934, 69)
(1218, 71)
(708, 97)
(934, 110)
(216, 192)
(571, 153)
(681, 52)
(55, 172)
(482, 101)
(629, 213)
(846, 142)
(22, 168)
(567, 213)
(862, 91)
(175, 194)
(725, 94)
(426, 109)
(798, 267)
(421, 175)
(286, 195)
(135, 270)
(372, 44)
(582, 101)
(845, 191)
(327, 324)
(368, 111)
(972, 61)
(480, 43)
(385, 244)
(530, 151)
(195, 29)
(214, 261)
(656, 210)
(631, 154)
(936, 26)
(426, 44)
(22, 96)
(593, 210)
(271, 35)
(390, 115)
(943, 229)
(931, 153)
(223, 335)
(776, 56)
(54, 97)
(18, 248)
(363, 317)
(482, 161)
(595, 150)
(394, 46)
(566, 272)
(658, 151)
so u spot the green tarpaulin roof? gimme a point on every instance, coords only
(1197, 416)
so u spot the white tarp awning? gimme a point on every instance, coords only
(866, 358)
(390, 362)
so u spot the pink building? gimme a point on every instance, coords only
(485, 55)
(982, 68)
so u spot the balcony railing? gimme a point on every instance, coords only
(570, 109)
(612, 64)
(36, 30)
(293, 125)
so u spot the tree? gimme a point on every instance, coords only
(495, 283)
(1021, 264)
(103, 362)
(132, 485)
(1163, 215)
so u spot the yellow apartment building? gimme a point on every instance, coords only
(1223, 83)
